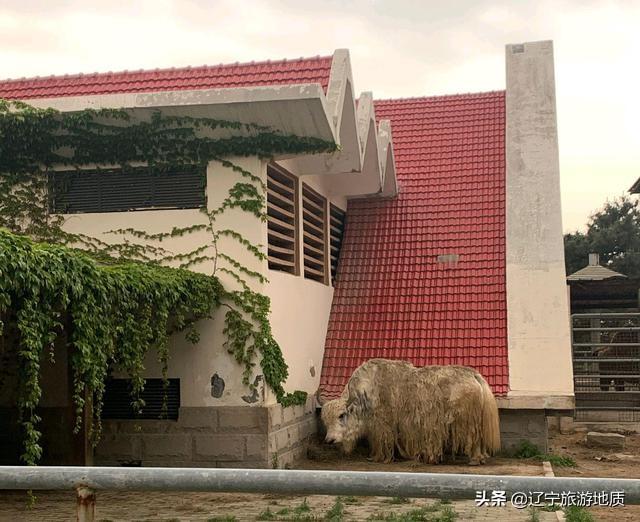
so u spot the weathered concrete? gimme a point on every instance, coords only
(537, 304)
(517, 426)
(245, 436)
(605, 440)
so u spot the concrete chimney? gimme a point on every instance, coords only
(537, 302)
(594, 259)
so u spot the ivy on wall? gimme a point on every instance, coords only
(114, 302)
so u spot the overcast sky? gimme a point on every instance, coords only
(398, 49)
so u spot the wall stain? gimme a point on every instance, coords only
(254, 395)
(217, 386)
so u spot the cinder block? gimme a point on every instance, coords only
(165, 446)
(566, 425)
(219, 447)
(310, 405)
(242, 419)
(119, 447)
(293, 434)
(256, 447)
(605, 440)
(308, 428)
(205, 418)
(288, 415)
(280, 439)
(146, 426)
(275, 417)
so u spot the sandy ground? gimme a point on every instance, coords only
(212, 507)
(593, 462)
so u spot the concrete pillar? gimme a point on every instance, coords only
(537, 304)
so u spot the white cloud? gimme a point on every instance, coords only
(398, 48)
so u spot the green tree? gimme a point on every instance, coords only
(614, 233)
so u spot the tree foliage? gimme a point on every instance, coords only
(614, 233)
(115, 302)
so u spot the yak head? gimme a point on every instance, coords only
(345, 422)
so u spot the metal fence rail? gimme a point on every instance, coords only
(606, 365)
(87, 480)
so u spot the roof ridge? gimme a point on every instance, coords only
(440, 96)
(166, 69)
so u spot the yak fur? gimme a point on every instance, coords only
(415, 413)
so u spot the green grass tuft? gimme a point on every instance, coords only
(336, 513)
(397, 500)
(423, 514)
(527, 450)
(267, 514)
(577, 514)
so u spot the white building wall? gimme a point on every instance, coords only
(300, 307)
(195, 365)
(537, 304)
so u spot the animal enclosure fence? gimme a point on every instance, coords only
(606, 366)
(86, 481)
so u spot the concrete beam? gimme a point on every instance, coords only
(537, 304)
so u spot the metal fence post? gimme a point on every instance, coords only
(86, 504)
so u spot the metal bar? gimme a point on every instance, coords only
(620, 408)
(629, 376)
(302, 482)
(606, 315)
(611, 392)
(605, 344)
(86, 504)
(605, 359)
(609, 329)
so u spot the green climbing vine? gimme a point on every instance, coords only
(112, 303)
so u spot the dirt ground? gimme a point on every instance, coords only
(212, 507)
(593, 462)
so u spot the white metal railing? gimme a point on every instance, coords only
(87, 480)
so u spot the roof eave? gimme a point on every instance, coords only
(291, 109)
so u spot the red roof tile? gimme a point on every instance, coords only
(393, 299)
(254, 74)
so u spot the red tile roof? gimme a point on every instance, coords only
(284, 72)
(393, 299)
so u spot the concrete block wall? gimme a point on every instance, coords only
(520, 425)
(290, 430)
(225, 436)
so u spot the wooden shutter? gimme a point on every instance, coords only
(118, 190)
(336, 222)
(117, 399)
(282, 212)
(314, 224)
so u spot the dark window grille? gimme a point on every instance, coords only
(282, 226)
(314, 224)
(337, 221)
(120, 190)
(117, 400)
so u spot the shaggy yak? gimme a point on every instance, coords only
(416, 413)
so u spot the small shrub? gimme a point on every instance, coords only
(577, 514)
(349, 500)
(527, 450)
